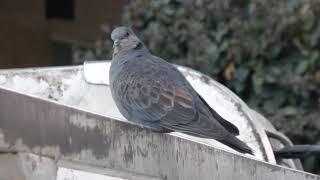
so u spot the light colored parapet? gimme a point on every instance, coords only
(86, 87)
(73, 137)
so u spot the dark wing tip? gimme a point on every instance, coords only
(237, 145)
(226, 124)
(250, 151)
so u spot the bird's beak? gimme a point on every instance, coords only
(116, 43)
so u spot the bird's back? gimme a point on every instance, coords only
(143, 76)
(153, 93)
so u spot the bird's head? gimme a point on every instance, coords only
(124, 39)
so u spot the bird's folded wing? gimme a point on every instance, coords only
(173, 107)
(153, 100)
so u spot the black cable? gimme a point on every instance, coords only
(297, 151)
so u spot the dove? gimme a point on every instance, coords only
(153, 93)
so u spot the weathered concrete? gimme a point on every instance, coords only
(69, 86)
(26, 166)
(67, 134)
(72, 174)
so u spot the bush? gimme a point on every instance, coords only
(266, 51)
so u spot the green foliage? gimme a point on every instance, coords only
(266, 51)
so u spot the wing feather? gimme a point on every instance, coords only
(153, 97)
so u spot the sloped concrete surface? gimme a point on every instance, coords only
(26, 166)
(71, 137)
(69, 85)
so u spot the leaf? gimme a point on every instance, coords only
(302, 67)
(257, 83)
(289, 111)
(228, 71)
(241, 73)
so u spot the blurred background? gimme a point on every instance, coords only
(266, 51)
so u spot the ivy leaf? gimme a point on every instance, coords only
(289, 111)
(302, 67)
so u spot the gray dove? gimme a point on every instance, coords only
(151, 92)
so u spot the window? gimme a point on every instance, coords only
(60, 9)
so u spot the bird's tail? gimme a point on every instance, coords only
(237, 144)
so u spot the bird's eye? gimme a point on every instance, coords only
(126, 35)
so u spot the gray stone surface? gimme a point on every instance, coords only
(68, 85)
(72, 137)
(26, 166)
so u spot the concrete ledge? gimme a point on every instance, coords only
(26, 166)
(72, 137)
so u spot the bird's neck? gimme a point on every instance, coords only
(126, 53)
(122, 57)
